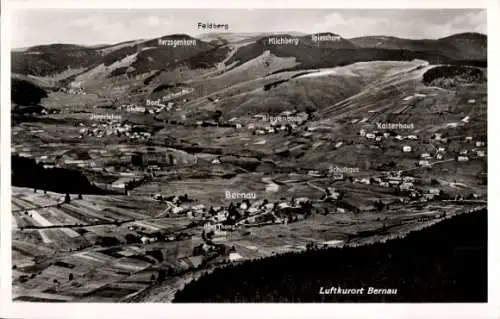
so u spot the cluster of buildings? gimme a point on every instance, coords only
(150, 109)
(271, 129)
(156, 106)
(133, 108)
(63, 158)
(73, 91)
(439, 152)
(464, 154)
(122, 162)
(113, 128)
(126, 180)
(148, 236)
(245, 213)
(378, 136)
(479, 149)
(393, 179)
(426, 157)
(286, 121)
(407, 186)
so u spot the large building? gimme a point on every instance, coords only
(160, 158)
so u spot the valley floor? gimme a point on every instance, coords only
(106, 261)
(130, 204)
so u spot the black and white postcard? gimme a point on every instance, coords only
(241, 155)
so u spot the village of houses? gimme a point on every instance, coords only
(118, 161)
(203, 234)
(259, 212)
(205, 227)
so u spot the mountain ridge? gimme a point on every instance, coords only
(146, 64)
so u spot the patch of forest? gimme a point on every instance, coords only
(310, 57)
(446, 262)
(26, 172)
(26, 93)
(450, 76)
(207, 59)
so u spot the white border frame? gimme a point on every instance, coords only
(8, 309)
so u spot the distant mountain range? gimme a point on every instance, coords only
(49, 59)
(145, 65)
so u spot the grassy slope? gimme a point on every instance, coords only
(310, 93)
(123, 68)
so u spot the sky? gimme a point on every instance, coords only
(92, 26)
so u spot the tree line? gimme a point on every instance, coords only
(26, 172)
(446, 262)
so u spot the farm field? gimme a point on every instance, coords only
(85, 251)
